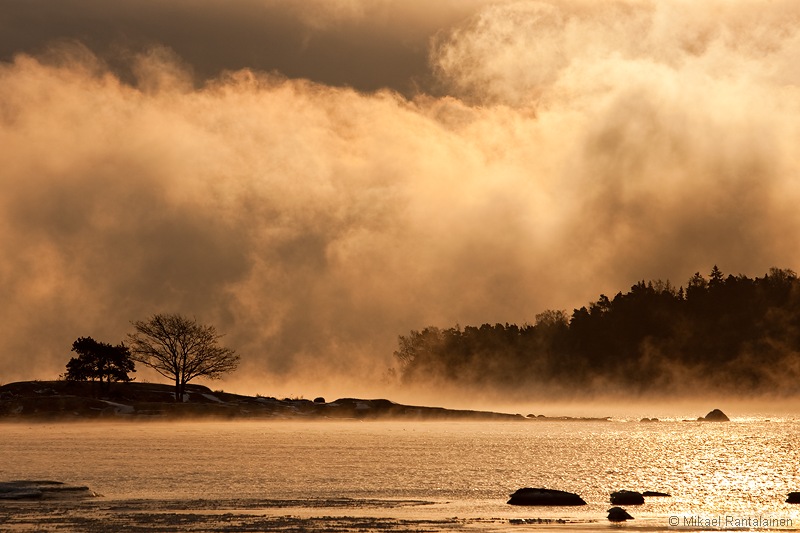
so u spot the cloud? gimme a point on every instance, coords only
(365, 45)
(564, 149)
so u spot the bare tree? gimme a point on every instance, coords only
(180, 349)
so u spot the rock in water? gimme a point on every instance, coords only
(618, 514)
(653, 493)
(538, 496)
(627, 497)
(794, 497)
(35, 490)
(714, 416)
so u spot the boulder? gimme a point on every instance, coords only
(714, 416)
(627, 497)
(653, 493)
(794, 497)
(538, 496)
(618, 514)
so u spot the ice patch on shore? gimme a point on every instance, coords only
(211, 397)
(120, 408)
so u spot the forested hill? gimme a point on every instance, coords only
(719, 334)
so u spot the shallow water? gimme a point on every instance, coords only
(436, 476)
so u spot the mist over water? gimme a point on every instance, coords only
(532, 155)
(369, 469)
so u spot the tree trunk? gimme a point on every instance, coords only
(178, 390)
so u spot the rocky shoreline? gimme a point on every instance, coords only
(73, 400)
(43, 490)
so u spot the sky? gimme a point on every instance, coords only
(316, 178)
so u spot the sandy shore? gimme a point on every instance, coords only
(308, 516)
(218, 516)
(312, 516)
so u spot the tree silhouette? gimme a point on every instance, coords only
(721, 333)
(715, 279)
(180, 349)
(99, 361)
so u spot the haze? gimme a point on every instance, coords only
(317, 178)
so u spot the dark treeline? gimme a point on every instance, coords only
(723, 334)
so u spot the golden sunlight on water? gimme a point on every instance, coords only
(461, 468)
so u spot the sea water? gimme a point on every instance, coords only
(428, 470)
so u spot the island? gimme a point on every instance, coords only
(65, 400)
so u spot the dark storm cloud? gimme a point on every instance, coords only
(223, 160)
(366, 45)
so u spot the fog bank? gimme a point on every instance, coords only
(533, 156)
